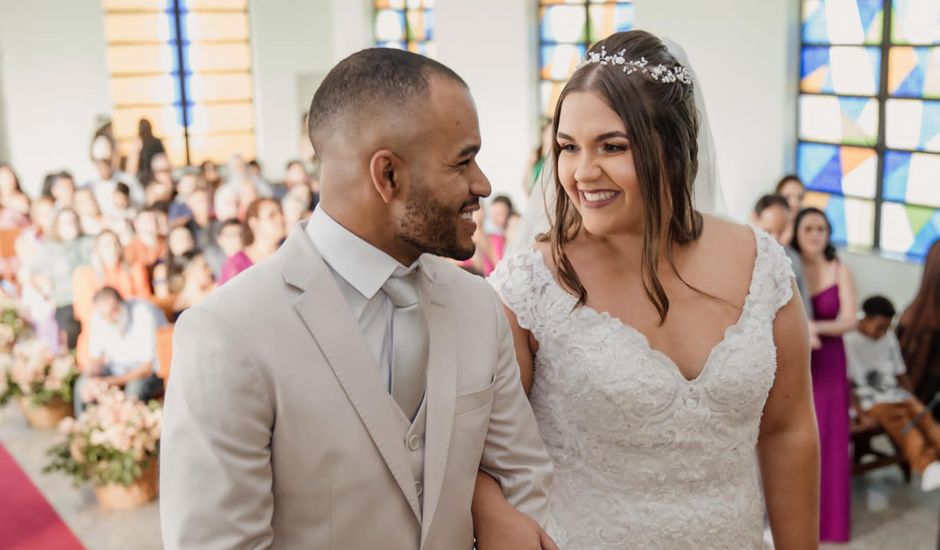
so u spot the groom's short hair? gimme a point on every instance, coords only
(370, 79)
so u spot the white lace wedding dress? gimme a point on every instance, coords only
(645, 458)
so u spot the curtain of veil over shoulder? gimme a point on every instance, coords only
(708, 193)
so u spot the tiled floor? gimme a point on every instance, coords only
(887, 513)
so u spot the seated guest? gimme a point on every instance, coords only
(108, 268)
(64, 252)
(148, 244)
(10, 188)
(201, 224)
(179, 213)
(191, 280)
(919, 331)
(772, 214)
(123, 210)
(296, 205)
(881, 393)
(229, 242)
(263, 235)
(61, 187)
(89, 211)
(107, 181)
(180, 241)
(122, 347)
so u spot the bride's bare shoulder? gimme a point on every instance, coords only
(727, 240)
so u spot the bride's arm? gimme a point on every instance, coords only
(496, 524)
(788, 447)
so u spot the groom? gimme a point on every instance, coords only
(345, 393)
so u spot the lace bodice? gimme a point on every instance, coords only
(645, 458)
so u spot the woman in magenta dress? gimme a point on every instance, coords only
(264, 231)
(834, 305)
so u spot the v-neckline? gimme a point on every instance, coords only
(644, 340)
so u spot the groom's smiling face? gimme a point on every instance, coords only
(445, 184)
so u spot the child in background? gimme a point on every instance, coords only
(881, 390)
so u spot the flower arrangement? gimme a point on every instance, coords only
(12, 323)
(114, 442)
(33, 372)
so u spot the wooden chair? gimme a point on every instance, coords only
(862, 448)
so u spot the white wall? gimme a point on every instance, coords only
(290, 43)
(491, 44)
(53, 81)
(745, 54)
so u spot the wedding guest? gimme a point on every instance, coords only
(180, 241)
(210, 173)
(148, 244)
(919, 331)
(89, 211)
(772, 214)
(122, 347)
(65, 251)
(501, 208)
(61, 187)
(834, 297)
(546, 141)
(881, 391)
(180, 213)
(108, 268)
(296, 204)
(9, 184)
(104, 185)
(192, 280)
(146, 147)
(229, 242)
(792, 189)
(264, 231)
(202, 224)
(225, 204)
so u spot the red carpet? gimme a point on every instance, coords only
(27, 520)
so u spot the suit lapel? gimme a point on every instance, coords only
(441, 393)
(330, 320)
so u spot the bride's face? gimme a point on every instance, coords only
(595, 166)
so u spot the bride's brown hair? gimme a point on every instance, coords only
(662, 125)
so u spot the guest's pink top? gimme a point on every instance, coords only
(235, 264)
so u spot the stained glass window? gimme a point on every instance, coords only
(869, 129)
(406, 25)
(186, 66)
(567, 28)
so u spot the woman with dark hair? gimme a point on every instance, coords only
(919, 331)
(147, 146)
(832, 288)
(665, 353)
(792, 189)
(264, 231)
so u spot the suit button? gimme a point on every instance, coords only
(414, 443)
(419, 488)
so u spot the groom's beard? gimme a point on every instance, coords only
(432, 226)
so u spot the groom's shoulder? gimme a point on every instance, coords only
(448, 273)
(246, 296)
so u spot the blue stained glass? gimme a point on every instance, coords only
(819, 167)
(897, 166)
(835, 211)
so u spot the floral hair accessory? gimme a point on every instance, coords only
(659, 73)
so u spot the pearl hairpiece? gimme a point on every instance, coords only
(659, 73)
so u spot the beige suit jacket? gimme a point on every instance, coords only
(278, 432)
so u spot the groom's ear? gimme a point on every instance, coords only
(385, 168)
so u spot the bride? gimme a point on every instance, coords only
(665, 355)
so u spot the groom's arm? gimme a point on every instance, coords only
(215, 458)
(514, 454)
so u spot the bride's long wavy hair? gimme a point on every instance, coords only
(662, 125)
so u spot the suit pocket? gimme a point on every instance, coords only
(475, 400)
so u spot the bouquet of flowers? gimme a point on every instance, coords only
(12, 323)
(32, 371)
(112, 443)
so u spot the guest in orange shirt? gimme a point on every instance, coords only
(148, 246)
(108, 268)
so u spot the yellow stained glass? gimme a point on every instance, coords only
(144, 90)
(228, 117)
(164, 119)
(145, 27)
(219, 87)
(221, 147)
(141, 58)
(217, 26)
(219, 57)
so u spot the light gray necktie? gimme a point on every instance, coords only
(409, 343)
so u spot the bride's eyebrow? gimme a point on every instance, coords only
(601, 137)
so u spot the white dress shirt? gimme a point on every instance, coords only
(360, 270)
